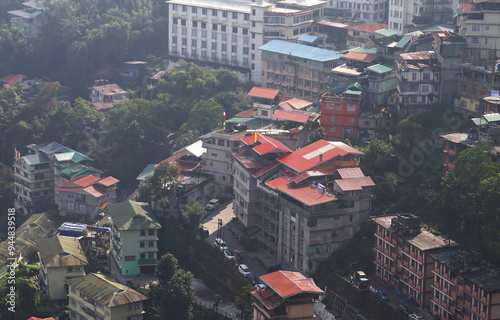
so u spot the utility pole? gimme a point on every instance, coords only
(219, 229)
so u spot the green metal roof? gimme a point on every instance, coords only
(76, 170)
(379, 68)
(60, 251)
(74, 156)
(132, 215)
(362, 50)
(493, 117)
(34, 159)
(386, 32)
(150, 168)
(403, 42)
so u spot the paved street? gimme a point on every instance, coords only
(230, 229)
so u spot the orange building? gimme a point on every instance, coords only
(340, 114)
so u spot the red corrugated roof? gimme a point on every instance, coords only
(278, 182)
(108, 181)
(260, 92)
(83, 181)
(292, 116)
(183, 165)
(35, 318)
(104, 205)
(353, 184)
(313, 173)
(13, 78)
(270, 166)
(306, 194)
(111, 88)
(289, 283)
(295, 103)
(368, 27)
(246, 113)
(350, 173)
(315, 154)
(266, 144)
(360, 56)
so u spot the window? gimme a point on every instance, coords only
(349, 130)
(141, 244)
(414, 76)
(71, 206)
(224, 47)
(338, 106)
(246, 16)
(194, 10)
(194, 32)
(474, 40)
(425, 88)
(234, 49)
(352, 120)
(235, 29)
(184, 42)
(333, 129)
(214, 45)
(193, 42)
(151, 244)
(246, 50)
(235, 15)
(333, 118)
(223, 28)
(476, 28)
(203, 25)
(351, 107)
(253, 12)
(204, 11)
(184, 8)
(214, 12)
(195, 24)
(426, 76)
(224, 14)
(329, 106)
(143, 233)
(244, 30)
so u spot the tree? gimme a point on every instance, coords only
(377, 157)
(192, 215)
(316, 134)
(174, 294)
(205, 116)
(408, 132)
(163, 182)
(244, 301)
(28, 297)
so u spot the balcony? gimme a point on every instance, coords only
(147, 262)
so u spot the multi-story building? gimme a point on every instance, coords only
(134, 237)
(363, 35)
(259, 152)
(98, 297)
(230, 32)
(464, 286)
(287, 295)
(402, 255)
(61, 259)
(368, 11)
(28, 19)
(105, 95)
(404, 13)
(85, 195)
(419, 75)
(296, 69)
(382, 82)
(38, 174)
(340, 114)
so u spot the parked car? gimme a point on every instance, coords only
(382, 295)
(204, 231)
(415, 316)
(212, 204)
(243, 269)
(404, 309)
(228, 254)
(260, 287)
(219, 243)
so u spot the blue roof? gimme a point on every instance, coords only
(308, 38)
(149, 170)
(300, 51)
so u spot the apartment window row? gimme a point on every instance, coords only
(147, 244)
(151, 232)
(214, 12)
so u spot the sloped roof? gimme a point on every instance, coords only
(74, 156)
(419, 55)
(403, 41)
(76, 170)
(267, 168)
(308, 195)
(308, 38)
(132, 215)
(278, 182)
(379, 68)
(49, 148)
(13, 78)
(34, 318)
(353, 184)
(352, 55)
(300, 51)
(194, 149)
(108, 181)
(34, 159)
(60, 251)
(260, 92)
(368, 27)
(105, 291)
(350, 172)
(246, 113)
(289, 283)
(146, 172)
(294, 103)
(386, 32)
(291, 116)
(316, 153)
(108, 89)
(266, 144)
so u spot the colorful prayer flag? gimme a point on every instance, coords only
(17, 154)
(224, 116)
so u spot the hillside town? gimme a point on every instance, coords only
(257, 189)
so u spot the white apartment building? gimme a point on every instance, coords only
(368, 10)
(420, 12)
(230, 32)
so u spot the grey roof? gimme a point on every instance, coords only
(301, 51)
(34, 159)
(105, 290)
(132, 215)
(25, 13)
(308, 38)
(492, 117)
(74, 156)
(60, 251)
(49, 148)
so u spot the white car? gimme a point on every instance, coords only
(219, 243)
(228, 254)
(243, 269)
(212, 204)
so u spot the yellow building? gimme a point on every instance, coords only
(61, 259)
(96, 296)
